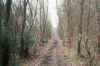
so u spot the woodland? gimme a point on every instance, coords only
(40, 33)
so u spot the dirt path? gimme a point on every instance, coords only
(53, 57)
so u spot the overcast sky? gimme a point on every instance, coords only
(53, 12)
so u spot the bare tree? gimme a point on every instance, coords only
(98, 19)
(80, 27)
(23, 28)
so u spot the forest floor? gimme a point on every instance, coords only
(55, 54)
(51, 55)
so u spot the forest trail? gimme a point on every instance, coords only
(54, 56)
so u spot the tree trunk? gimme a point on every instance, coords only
(80, 27)
(6, 44)
(98, 22)
(22, 51)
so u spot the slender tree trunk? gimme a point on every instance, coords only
(69, 23)
(98, 21)
(87, 30)
(80, 27)
(22, 51)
